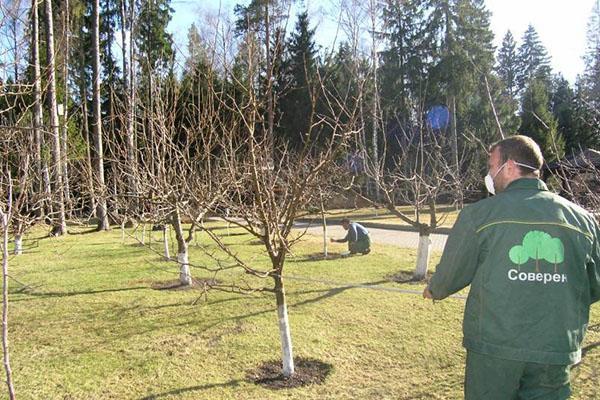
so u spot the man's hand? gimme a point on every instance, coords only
(332, 240)
(427, 294)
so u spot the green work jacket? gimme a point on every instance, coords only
(532, 259)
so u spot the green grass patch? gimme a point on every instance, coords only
(446, 215)
(91, 326)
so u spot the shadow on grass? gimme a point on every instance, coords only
(589, 348)
(175, 392)
(84, 232)
(320, 257)
(333, 292)
(85, 292)
(408, 277)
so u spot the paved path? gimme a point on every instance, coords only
(402, 239)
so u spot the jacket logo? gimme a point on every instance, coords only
(538, 245)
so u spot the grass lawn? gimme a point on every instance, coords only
(91, 326)
(446, 215)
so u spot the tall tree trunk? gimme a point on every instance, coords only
(4, 221)
(60, 227)
(65, 115)
(185, 276)
(129, 94)
(375, 103)
(101, 209)
(40, 168)
(284, 327)
(88, 146)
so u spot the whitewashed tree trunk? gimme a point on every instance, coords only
(123, 231)
(143, 234)
(185, 276)
(324, 219)
(287, 352)
(423, 253)
(18, 244)
(166, 242)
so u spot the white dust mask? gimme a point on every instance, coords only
(489, 180)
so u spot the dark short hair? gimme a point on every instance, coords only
(345, 221)
(521, 149)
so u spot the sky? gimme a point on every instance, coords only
(561, 24)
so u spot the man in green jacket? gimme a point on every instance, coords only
(532, 259)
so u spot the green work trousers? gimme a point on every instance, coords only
(360, 246)
(490, 378)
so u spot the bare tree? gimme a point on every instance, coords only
(415, 168)
(5, 221)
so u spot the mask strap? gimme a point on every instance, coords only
(525, 166)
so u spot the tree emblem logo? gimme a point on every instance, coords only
(538, 245)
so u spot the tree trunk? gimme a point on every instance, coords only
(324, 219)
(60, 227)
(166, 242)
(5, 222)
(88, 152)
(423, 253)
(41, 179)
(185, 277)
(101, 209)
(65, 115)
(284, 327)
(18, 244)
(128, 77)
(123, 231)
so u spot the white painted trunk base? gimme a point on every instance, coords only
(166, 243)
(185, 277)
(423, 253)
(324, 239)
(18, 245)
(286, 341)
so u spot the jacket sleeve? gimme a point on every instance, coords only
(459, 260)
(593, 268)
(345, 239)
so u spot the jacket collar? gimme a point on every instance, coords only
(526, 183)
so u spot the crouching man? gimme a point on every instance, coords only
(357, 237)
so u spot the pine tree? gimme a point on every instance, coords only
(534, 61)
(562, 103)
(591, 75)
(538, 122)
(508, 65)
(404, 61)
(153, 40)
(296, 84)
